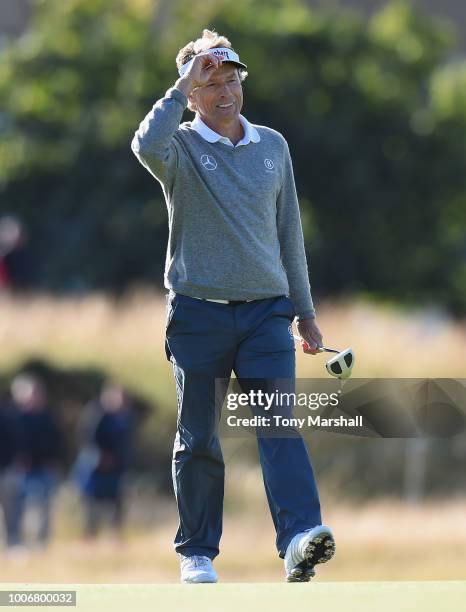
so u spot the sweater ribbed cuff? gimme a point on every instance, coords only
(307, 314)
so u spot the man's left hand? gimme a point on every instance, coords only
(311, 336)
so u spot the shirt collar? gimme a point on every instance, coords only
(250, 132)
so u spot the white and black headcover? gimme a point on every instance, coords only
(341, 364)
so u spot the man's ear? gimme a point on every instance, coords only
(191, 103)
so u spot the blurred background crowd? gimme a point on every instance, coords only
(32, 459)
(371, 97)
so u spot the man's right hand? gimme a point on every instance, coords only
(199, 72)
(311, 336)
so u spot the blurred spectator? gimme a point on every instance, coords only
(8, 474)
(37, 455)
(105, 433)
(16, 263)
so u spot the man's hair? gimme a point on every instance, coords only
(209, 40)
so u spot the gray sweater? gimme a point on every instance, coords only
(234, 224)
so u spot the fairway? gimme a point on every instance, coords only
(358, 596)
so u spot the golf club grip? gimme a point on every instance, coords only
(321, 349)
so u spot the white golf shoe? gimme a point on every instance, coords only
(197, 569)
(306, 550)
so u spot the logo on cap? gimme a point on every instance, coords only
(221, 53)
(208, 162)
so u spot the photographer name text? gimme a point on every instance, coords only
(297, 422)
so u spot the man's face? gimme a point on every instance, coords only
(220, 100)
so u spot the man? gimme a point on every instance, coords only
(38, 453)
(105, 437)
(237, 274)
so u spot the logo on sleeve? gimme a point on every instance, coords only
(268, 163)
(208, 162)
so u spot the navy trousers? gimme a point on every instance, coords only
(206, 341)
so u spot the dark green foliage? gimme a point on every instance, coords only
(374, 117)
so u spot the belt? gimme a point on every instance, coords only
(228, 302)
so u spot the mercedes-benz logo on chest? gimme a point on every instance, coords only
(208, 162)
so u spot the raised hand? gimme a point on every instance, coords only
(199, 72)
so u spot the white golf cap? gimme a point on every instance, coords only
(228, 55)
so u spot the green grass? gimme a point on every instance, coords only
(370, 539)
(329, 596)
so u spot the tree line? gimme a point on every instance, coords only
(374, 113)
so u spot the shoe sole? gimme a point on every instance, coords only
(198, 581)
(320, 549)
(302, 572)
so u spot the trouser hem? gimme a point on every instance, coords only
(189, 551)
